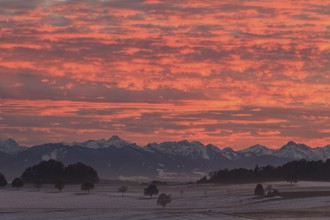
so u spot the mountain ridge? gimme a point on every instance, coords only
(117, 158)
(115, 140)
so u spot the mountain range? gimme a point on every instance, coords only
(115, 158)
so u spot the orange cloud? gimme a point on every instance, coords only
(184, 69)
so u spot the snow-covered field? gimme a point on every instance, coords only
(198, 202)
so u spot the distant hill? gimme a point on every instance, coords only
(115, 158)
(291, 172)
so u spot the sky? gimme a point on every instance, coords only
(231, 73)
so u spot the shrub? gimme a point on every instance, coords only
(87, 186)
(164, 199)
(291, 178)
(59, 184)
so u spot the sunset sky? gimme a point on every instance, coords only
(231, 73)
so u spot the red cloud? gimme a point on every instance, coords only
(188, 57)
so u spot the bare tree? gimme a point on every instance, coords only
(181, 193)
(122, 190)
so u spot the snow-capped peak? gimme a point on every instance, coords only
(196, 150)
(296, 151)
(115, 138)
(293, 146)
(213, 148)
(10, 146)
(114, 141)
(229, 153)
(118, 142)
(192, 150)
(256, 150)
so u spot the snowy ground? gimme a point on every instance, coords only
(225, 202)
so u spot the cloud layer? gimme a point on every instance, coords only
(232, 73)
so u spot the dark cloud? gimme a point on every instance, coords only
(29, 87)
(57, 20)
(18, 5)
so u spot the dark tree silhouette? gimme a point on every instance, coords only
(291, 171)
(164, 199)
(202, 180)
(151, 190)
(122, 190)
(46, 171)
(17, 183)
(291, 178)
(259, 190)
(50, 171)
(38, 184)
(59, 184)
(87, 186)
(80, 173)
(3, 181)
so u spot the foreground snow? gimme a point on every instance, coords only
(199, 201)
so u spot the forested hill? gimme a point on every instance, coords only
(291, 172)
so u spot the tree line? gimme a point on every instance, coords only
(51, 171)
(290, 172)
(54, 172)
